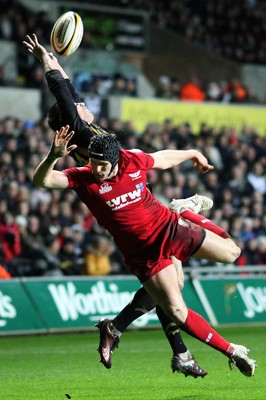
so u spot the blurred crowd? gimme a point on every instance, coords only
(223, 26)
(231, 91)
(235, 29)
(46, 232)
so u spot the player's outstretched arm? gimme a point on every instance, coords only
(48, 60)
(44, 175)
(165, 159)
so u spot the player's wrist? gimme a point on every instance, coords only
(52, 157)
(45, 55)
(192, 153)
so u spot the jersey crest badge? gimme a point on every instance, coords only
(135, 175)
(105, 188)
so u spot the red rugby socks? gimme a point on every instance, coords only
(204, 223)
(199, 328)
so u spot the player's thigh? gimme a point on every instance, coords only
(179, 271)
(217, 249)
(164, 289)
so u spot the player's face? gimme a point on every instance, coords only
(101, 169)
(84, 113)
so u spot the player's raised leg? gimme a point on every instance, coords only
(164, 289)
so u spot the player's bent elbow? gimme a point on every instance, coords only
(37, 181)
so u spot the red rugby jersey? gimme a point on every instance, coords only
(123, 205)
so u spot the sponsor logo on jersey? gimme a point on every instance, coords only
(140, 186)
(127, 198)
(135, 175)
(104, 188)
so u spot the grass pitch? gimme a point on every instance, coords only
(58, 367)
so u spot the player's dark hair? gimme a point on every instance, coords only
(54, 118)
(105, 147)
(55, 123)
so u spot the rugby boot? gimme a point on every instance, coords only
(196, 203)
(238, 356)
(187, 366)
(108, 342)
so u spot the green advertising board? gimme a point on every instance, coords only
(233, 300)
(17, 314)
(80, 303)
(37, 305)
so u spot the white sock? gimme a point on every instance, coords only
(115, 331)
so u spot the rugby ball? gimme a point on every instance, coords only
(67, 33)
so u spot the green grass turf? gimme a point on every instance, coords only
(49, 367)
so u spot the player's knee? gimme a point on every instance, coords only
(231, 254)
(235, 253)
(176, 313)
(143, 301)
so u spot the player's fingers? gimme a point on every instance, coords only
(30, 40)
(69, 135)
(71, 148)
(63, 131)
(64, 135)
(206, 168)
(58, 136)
(28, 45)
(35, 38)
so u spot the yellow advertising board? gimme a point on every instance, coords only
(143, 112)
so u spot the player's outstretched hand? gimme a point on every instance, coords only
(59, 146)
(201, 163)
(34, 46)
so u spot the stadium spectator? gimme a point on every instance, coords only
(213, 92)
(261, 248)
(256, 178)
(70, 263)
(122, 86)
(98, 257)
(191, 90)
(9, 238)
(176, 87)
(235, 92)
(164, 89)
(4, 274)
(247, 233)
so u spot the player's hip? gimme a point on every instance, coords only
(182, 239)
